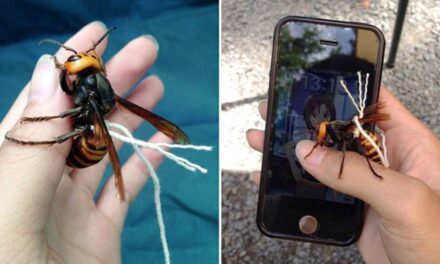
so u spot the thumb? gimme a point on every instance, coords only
(29, 174)
(389, 196)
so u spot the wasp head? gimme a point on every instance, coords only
(322, 131)
(81, 61)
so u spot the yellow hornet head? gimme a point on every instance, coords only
(322, 131)
(81, 61)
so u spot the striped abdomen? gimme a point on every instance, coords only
(86, 151)
(370, 151)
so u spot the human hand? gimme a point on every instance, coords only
(47, 210)
(401, 222)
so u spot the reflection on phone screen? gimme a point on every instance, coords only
(308, 92)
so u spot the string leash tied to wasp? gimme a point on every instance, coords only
(351, 134)
(127, 137)
(83, 77)
(360, 108)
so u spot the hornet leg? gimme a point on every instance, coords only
(344, 147)
(58, 140)
(372, 170)
(362, 151)
(310, 153)
(71, 112)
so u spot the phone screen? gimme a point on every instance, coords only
(311, 60)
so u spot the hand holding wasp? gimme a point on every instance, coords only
(401, 224)
(45, 215)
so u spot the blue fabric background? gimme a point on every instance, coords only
(187, 32)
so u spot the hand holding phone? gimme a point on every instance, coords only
(403, 212)
(405, 204)
(317, 67)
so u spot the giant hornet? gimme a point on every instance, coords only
(346, 135)
(83, 77)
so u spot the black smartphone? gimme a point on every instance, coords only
(310, 58)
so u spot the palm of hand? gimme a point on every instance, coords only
(77, 230)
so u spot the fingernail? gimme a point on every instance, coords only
(44, 80)
(154, 40)
(304, 147)
(101, 24)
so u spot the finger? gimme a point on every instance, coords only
(83, 40)
(262, 108)
(255, 177)
(14, 113)
(131, 63)
(255, 139)
(135, 175)
(31, 173)
(384, 196)
(146, 95)
(39, 179)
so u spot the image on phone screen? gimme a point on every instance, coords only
(311, 60)
(308, 92)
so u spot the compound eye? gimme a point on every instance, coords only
(73, 58)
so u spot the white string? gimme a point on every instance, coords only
(157, 201)
(360, 90)
(163, 144)
(365, 92)
(157, 146)
(135, 143)
(350, 96)
(362, 94)
(360, 108)
(384, 146)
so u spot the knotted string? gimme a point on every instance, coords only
(360, 109)
(362, 95)
(127, 137)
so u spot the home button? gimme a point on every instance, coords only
(308, 224)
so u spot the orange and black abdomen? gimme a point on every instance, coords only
(86, 151)
(370, 151)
